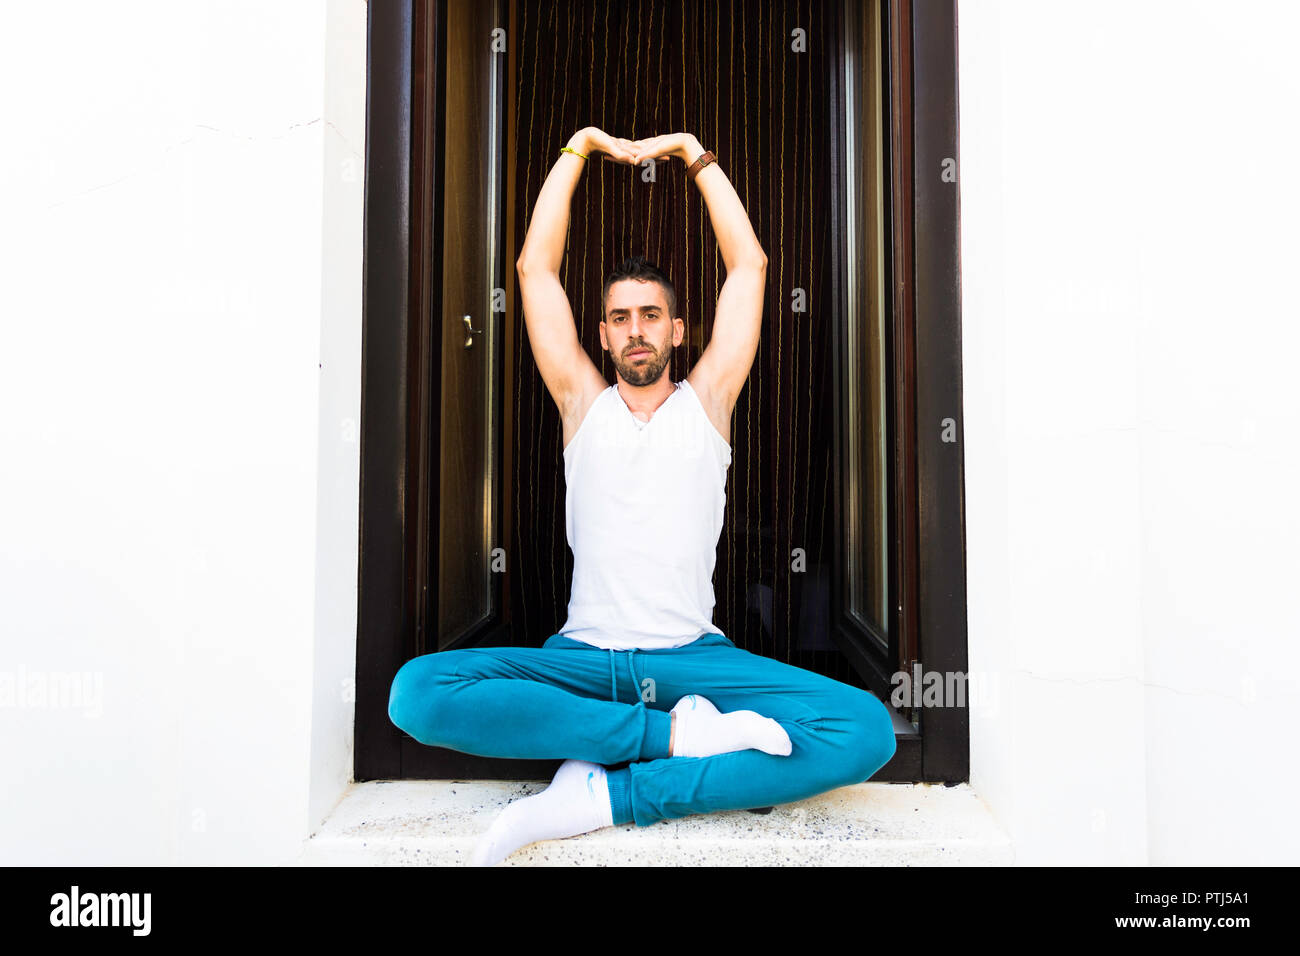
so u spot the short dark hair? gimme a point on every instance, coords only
(641, 269)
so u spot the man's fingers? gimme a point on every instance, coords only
(644, 149)
(616, 148)
(656, 147)
(633, 151)
(617, 153)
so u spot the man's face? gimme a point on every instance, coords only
(637, 321)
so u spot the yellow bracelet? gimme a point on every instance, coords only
(565, 149)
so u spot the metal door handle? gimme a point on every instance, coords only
(469, 339)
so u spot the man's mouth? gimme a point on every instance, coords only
(638, 352)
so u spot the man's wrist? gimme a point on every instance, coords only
(691, 150)
(580, 142)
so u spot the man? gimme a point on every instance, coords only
(645, 463)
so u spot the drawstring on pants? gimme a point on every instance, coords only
(631, 669)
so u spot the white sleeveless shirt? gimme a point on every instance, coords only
(643, 512)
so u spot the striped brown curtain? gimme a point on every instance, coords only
(731, 73)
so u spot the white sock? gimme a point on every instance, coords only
(577, 801)
(702, 731)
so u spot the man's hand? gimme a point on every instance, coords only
(593, 140)
(684, 146)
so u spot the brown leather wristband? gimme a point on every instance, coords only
(694, 168)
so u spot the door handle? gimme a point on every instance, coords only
(469, 338)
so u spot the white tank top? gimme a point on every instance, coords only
(643, 512)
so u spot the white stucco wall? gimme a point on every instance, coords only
(1130, 331)
(180, 372)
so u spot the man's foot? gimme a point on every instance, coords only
(577, 801)
(702, 731)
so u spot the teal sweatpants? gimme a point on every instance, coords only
(569, 700)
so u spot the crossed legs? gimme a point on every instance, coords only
(571, 701)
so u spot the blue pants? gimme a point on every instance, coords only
(569, 700)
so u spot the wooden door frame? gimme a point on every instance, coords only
(927, 581)
(391, 393)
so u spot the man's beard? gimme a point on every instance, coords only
(645, 371)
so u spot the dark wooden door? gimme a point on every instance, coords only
(464, 260)
(468, 558)
(815, 560)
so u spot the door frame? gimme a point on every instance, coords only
(927, 581)
(391, 393)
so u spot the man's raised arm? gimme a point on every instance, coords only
(563, 363)
(724, 367)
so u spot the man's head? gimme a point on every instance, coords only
(639, 309)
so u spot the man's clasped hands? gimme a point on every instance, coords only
(634, 152)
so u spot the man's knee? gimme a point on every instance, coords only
(871, 742)
(413, 700)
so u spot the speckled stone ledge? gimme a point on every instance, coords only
(436, 823)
